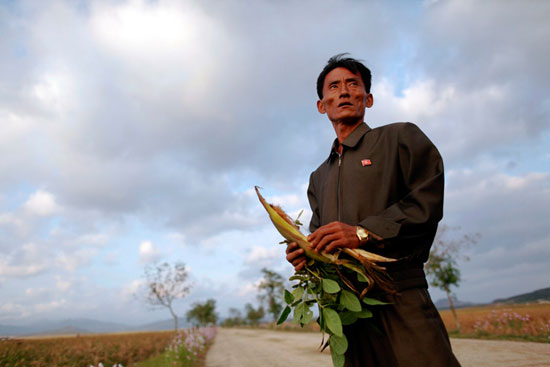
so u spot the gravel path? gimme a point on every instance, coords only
(267, 348)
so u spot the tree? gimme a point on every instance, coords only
(235, 318)
(444, 273)
(165, 283)
(271, 292)
(254, 315)
(442, 268)
(203, 313)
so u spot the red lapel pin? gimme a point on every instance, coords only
(366, 162)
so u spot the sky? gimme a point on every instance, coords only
(133, 132)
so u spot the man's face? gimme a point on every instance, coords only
(344, 97)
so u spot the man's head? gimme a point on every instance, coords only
(344, 91)
(340, 61)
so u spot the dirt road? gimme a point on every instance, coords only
(266, 348)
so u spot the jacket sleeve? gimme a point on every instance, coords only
(420, 207)
(314, 205)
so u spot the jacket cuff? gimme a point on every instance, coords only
(382, 227)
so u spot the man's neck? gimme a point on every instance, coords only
(342, 131)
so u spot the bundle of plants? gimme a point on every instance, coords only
(338, 283)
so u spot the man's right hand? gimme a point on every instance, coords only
(296, 256)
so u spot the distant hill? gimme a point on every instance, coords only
(535, 296)
(84, 326)
(443, 304)
(162, 325)
(67, 330)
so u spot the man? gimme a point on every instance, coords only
(380, 189)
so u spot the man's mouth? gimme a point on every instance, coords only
(344, 104)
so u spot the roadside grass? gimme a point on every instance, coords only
(141, 349)
(521, 322)
(524, 322)
(187, 349)
(83, 350)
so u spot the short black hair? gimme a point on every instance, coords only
(341, 61)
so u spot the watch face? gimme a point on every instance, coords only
(362, 233)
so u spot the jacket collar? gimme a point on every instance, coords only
(352, 139)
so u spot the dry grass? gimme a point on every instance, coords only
(521, 321)
(123, 348)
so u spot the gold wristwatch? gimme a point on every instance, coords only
(362, 234)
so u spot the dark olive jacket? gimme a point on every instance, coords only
(388, 180)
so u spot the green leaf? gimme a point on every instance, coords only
(298, 293)
(350, 301)
(338, 344)
(284, 315)
(373, 302)
(308, 315)
(333, 321)
(321, 320)
(289, 298)
(330, 286)
(364, 314)
(299, 313)
(362, 278)
(338, 360)
(348, 317)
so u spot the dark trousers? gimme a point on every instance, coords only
(407, 333)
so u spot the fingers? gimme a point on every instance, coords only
(293, 246)
(296, 256)
(300, 265)
(332, 236)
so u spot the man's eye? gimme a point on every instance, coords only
(332, 86)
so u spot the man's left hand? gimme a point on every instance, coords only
(332, 236)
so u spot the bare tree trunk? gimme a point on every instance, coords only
(174, 316)
(452, 306)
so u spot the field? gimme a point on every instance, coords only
(110, 349)
(523, 322)
(528, 322)
(152, 349)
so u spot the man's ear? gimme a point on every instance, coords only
(370, 101)
(321, 107)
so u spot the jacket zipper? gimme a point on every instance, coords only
(338, 198)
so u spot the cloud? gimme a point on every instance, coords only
(41, 203)
(62, 284)
(248, 289)
(260, 255)
(71, 261)
(159, 117)
(148, 252)
(24, 262)
(129, 291)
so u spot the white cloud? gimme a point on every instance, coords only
(41, 203)
(248, 288)
(54, 92)
(145, 29)
(62, 284)
(24, 262)
(51, 306)
(36, 292)
(71, 261)
(166, 114)
(262, 255)
(131, 290)
(148, 252)
(95, 239)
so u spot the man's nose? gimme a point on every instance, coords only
(344, 91)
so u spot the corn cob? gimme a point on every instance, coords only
(366, 265)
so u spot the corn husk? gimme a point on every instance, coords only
(359, 260)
